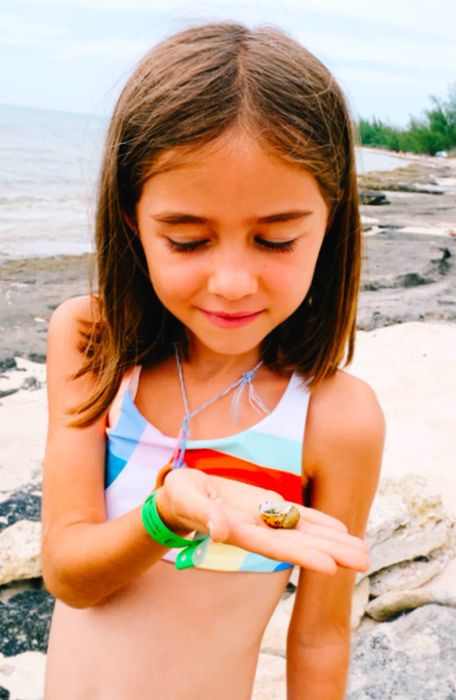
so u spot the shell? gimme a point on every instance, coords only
(279, 514)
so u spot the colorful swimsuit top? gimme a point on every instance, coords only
(268, 455)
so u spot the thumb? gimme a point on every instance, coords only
(212, 515)
(217, 521)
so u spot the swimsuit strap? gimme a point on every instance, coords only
(254, 399)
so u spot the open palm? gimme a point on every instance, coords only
(191, 499)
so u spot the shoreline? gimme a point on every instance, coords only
(408, 268)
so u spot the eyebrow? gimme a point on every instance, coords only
(170, 217)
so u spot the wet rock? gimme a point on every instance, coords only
(372, 197)
(25, 622)
(24, 504)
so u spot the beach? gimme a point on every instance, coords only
(405, 347)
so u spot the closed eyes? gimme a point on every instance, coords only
(277, 246)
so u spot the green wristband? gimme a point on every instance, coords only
(156, 527)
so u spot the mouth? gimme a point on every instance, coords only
(230, 320)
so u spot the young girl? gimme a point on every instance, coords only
(203, 379)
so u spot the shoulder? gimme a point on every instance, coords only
(80, 310)
(344, 414)
(69, 326)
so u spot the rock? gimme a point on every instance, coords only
(22, 677)
(410, 658)
(275, 635)
(31, 383)
(270, 680)
(390, 604)
(410, 574)
(360, 601)
(407, 520)
(25, 622)
(372, 197)
(23, 504)
(20, 551)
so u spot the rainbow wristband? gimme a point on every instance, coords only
(156, 527)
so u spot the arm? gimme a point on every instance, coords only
(348, 431)
(84, 558)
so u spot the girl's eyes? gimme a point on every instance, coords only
(282, 246)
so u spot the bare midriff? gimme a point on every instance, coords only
(169, 635)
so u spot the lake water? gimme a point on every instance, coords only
(49, 164)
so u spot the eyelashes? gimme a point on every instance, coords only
(275, 246)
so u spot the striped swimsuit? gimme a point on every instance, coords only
(268, 455)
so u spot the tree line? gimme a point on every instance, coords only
(435, 131)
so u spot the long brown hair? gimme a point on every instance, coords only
(186, 92)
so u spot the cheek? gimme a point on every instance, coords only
(172, 280)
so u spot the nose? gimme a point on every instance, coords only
(232, 278)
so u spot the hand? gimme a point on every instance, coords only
(190, 499)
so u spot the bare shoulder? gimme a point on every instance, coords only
(344, 414)
(67, 326)
(80, 310)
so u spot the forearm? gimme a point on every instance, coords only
(87, 562)
(317, 673)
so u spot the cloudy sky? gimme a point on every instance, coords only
(75, 55)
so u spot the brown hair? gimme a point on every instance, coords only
(186, 92)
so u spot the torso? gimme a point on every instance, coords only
(179, 635)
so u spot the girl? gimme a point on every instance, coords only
(203, 378)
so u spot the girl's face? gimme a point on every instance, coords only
(231, 235)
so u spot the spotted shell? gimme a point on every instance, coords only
(279, 514)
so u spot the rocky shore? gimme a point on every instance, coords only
(403, 612)
(409, 270)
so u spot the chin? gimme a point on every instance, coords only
(228, 344)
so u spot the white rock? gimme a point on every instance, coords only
(389, 604)
(409, 574)
(23, 675)
(270, 680)
(360, 600)
(407, 520)
(275, 635)
(20, 551)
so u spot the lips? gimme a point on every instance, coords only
(229, 316)
(230, 320)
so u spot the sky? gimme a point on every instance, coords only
(75, 55)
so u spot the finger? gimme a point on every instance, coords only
(332, 534)
(296, 547)
(316, 516)
(252, 538)
(207, 509)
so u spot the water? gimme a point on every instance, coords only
(49, 165)
(48, 172)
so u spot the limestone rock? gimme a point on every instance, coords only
(410, 574)
(410, 658)
(407, 520)
(275, 635)
(20, 551)
(23, 676)
(270, 680)
(360, 601)
(389, 604)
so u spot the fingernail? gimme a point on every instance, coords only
(210, 527)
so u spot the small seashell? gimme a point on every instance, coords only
(279, 514)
